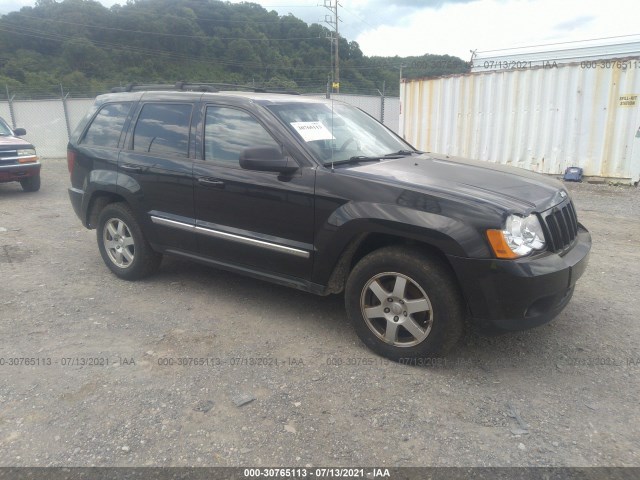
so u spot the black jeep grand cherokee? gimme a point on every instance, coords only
(317, 195)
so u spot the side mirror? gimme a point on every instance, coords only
(19, 132)
(266, 159)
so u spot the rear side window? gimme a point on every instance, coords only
(106, 128)
(163, 128)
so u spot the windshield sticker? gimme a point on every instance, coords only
(312, 131)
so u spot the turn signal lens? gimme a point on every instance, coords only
(499, 244)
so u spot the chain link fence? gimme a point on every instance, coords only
(51, 117)
(48, 119)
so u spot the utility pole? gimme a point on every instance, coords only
(402, 65)
(333, 20)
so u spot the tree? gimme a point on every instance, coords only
(81, 41)
(82, 55)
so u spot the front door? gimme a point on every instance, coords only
(262, 220)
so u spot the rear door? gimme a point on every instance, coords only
(262, 220)
(156, 171)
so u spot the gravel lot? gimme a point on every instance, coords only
(565, 394)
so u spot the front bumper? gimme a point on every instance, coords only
(506, 295)
(17, 172)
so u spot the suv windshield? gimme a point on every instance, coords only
(4, 129)
(338, 133)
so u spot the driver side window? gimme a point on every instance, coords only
(228, 131)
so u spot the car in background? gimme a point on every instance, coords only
(18, 159)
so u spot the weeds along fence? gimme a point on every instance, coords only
(50, 119)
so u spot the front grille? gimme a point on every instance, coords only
(8, 157)
(561, 226)
(8, 153)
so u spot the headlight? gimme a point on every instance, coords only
(27, 152)
(27, 155)
(520, 237)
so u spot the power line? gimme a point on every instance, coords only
(357, 16)
(165, 15)
(29, 32)
(152, 52)
(560, 43)
(146, 32)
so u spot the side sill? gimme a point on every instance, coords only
(291, 282)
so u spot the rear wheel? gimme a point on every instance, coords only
(122, 244)
(31, 184)
(404, 304)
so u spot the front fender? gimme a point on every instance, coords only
(356, 220)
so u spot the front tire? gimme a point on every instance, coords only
(404, 304)
(31, 184)
(123, 246)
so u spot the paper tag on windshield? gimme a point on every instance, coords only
(312, 131)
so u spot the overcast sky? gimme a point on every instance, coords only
(454, 27)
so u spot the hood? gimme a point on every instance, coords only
(15, 142)
(511, 188)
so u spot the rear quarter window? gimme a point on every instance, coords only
(106, 128)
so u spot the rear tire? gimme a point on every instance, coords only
(123, 246)
(31, 184)
(404, 304)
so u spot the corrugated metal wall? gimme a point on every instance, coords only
(541, 119)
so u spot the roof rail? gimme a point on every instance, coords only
(196, 87)
(233, 86)
(138, 87)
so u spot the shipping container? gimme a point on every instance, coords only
(584, 52)
(543, 119)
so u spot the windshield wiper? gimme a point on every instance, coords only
(365, 158)
(375, 158)
(403, 153)
(357, 159)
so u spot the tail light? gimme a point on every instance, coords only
(71, 160)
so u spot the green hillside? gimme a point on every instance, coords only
(86, 47)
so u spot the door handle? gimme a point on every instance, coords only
(131, 168)
(211, 182)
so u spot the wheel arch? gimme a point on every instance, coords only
(100, 199)
(365, 243)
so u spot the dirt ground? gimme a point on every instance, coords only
(99, 379)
